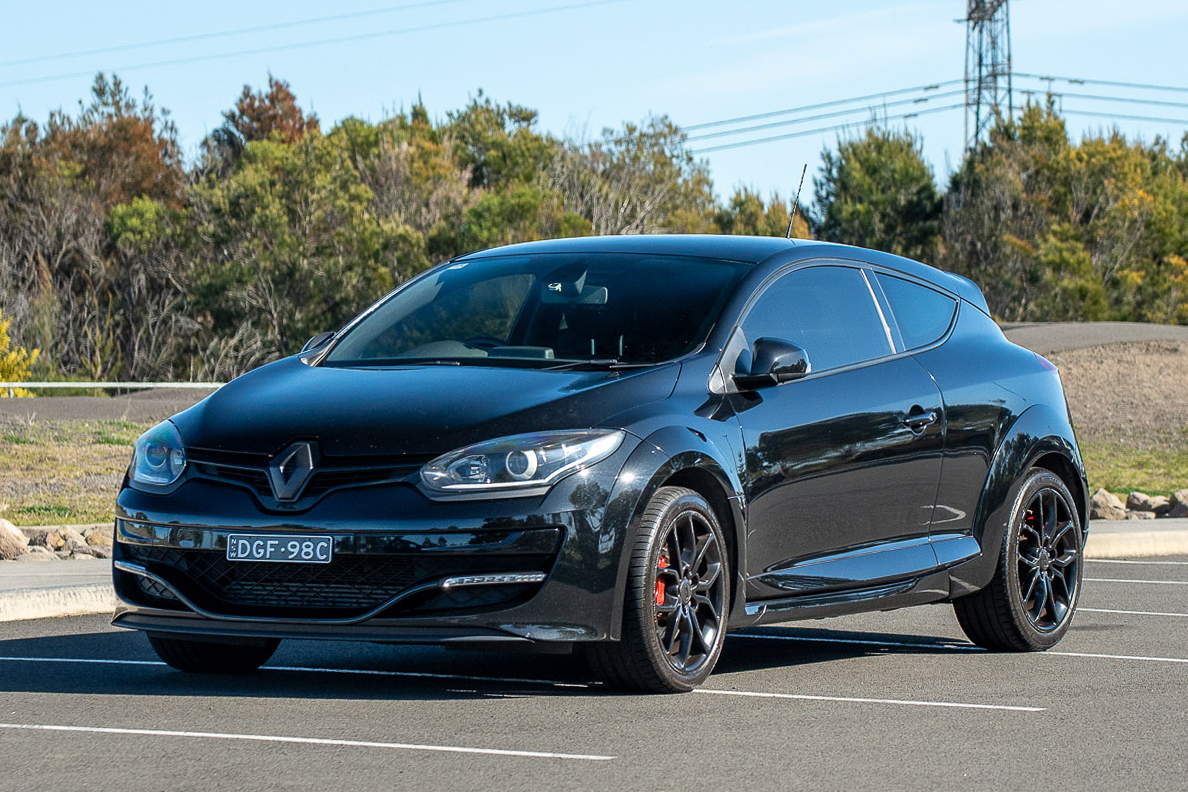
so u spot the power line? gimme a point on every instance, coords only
(790, 110)
(321, 42)
(1121, 117)
(224, 33)
(1102, 98)
(820, 116)
(821, 130)
(1085, 81)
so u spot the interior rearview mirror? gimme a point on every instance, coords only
(773, 361)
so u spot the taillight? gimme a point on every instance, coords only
(1049, 365)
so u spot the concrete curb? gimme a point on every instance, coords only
(1111, 544)
(42, 603)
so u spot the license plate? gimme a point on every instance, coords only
(286, 549)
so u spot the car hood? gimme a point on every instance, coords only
(417, 410)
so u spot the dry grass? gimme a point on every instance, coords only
(1130, 406)
(62, 471)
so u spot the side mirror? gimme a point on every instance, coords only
(317, 341)
(772, 362)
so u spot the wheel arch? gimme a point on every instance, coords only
(682, 458)
(1039, 437)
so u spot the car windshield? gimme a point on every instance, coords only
(546, 310)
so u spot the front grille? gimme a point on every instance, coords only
(350, 585)
(250, 471)
(255, 480)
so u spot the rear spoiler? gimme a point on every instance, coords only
(969, 291)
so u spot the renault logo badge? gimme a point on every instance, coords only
(291, 469)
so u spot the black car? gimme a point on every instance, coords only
(630, 445)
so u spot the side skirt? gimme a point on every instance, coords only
(932, 587)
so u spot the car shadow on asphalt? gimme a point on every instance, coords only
(351, 671)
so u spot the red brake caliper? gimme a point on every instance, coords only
(662, 564)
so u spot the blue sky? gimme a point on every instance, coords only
(595, 65)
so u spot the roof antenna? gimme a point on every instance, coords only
(796, 203)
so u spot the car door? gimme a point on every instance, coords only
(923, 316)
(842, 466)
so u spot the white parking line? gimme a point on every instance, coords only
(853, 700)
(1133, 613)
(953, 647)
(1120, 657)
(1148, 582)
(1126, 561)
(305, 741)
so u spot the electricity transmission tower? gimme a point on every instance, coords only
(987, 66)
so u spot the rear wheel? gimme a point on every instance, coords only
(677, 597)
(212, 658)
(1030, 603)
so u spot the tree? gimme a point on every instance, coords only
(15, 361)
(259, 115)
(876, 191)
(745, 213)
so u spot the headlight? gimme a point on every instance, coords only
(159, 457)
(524, 461)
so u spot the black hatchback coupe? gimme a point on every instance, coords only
(630, 445)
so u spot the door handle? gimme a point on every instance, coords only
(918, 420)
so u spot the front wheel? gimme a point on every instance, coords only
(1030, 602)
(205, 657)
(677, 598)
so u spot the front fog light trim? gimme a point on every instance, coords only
(519, 463)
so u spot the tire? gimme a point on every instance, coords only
(1030, 603)
(204, 657)
(676, 602)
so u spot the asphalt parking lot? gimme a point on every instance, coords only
(879, 701)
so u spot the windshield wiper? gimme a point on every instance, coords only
(595, 363)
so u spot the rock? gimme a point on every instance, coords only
(1105, 505)
(12, 541)
(91, 551)
(1162, 505)
(37, 538)
(37, 554)
(1140, 515)
(65, 539)
(1179, 498)
(1179, 510)
(98, 536)
(1139, 501)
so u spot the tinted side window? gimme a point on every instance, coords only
(829, 311)
(923, 315)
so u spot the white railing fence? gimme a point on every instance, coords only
(121, 385)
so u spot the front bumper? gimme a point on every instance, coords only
(385, 581)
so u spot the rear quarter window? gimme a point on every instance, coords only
(923, 314)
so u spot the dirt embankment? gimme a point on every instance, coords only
(1131, 394)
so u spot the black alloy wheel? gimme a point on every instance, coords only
(1049, 560)
(674, 623)
(1032, 598)
(690, 591)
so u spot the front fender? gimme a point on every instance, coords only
(1039, 435)
(688, 457)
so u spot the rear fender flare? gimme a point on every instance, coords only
(1039, 431)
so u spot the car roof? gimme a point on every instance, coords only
(736, 248)
(750, 249)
